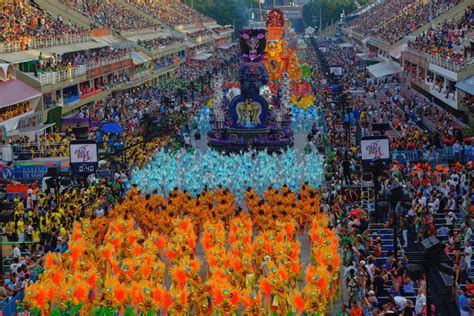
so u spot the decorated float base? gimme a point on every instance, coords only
(233, 140)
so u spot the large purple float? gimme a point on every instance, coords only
(248, 121)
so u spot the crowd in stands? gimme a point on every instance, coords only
(161, 11)
(172, 12)
(377, 281)
(42, 222)
(22, 21)
(412, 19)
(54, 144)
(449, 40)
(393, 19)
(111, 14)
(12, 111)
(191, 14)
(198, 68)
(85, 57)
(161, 42)
(128, 109)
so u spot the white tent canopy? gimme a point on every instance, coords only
(346, 45)
(202, 56)
(384, 69)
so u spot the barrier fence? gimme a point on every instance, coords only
(434, 157)
(9, 47)
(59, 76)
(439, 61)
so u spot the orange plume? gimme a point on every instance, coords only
(158, 296)
(120, 294)
(130, 238)
(146, 270)
(81, 293)
(57, 277)
(265, 288)
(235, 297)
(137, 250)
(299, 303)
(160, 242)
(184, 298)
(283, 274)
(167, 301)
(217, 296)
(40, 299)
(295, 267)
(180, 278)
(237, 266)
(49, 260)
(52, 293)
(91, 280)
(322, 283)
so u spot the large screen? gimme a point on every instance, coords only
(84, 156)
(336, 70)
(375, 147)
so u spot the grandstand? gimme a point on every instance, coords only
(431, 40)
(71, 54)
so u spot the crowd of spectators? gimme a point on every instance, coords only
(12, 111)
(53, 144)
(384, 11)
(193, 15)
(161, 11)
(23, 22)
(393, 19)
(449, 40)
(376, 281)
(111, 14)
(41, 222)
(412, 19)
(85, 57)
(128, 109)
(161, 42)
(221, 59)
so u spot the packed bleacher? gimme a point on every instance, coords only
(191, 14)
(449, 40)
(86, 57)
(162, 42)
(11, 111)
(127, 109)
(391, 20)
(161, 11)
(22, 21)
(440, 197)
(111, 14)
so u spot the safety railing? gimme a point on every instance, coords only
(16, 46)
(435, 156)
(165, 49)
(441, 62)
(148, 30)
(59, 76)
(107, 62)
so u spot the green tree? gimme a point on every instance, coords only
(329, 11)
(225, 12)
